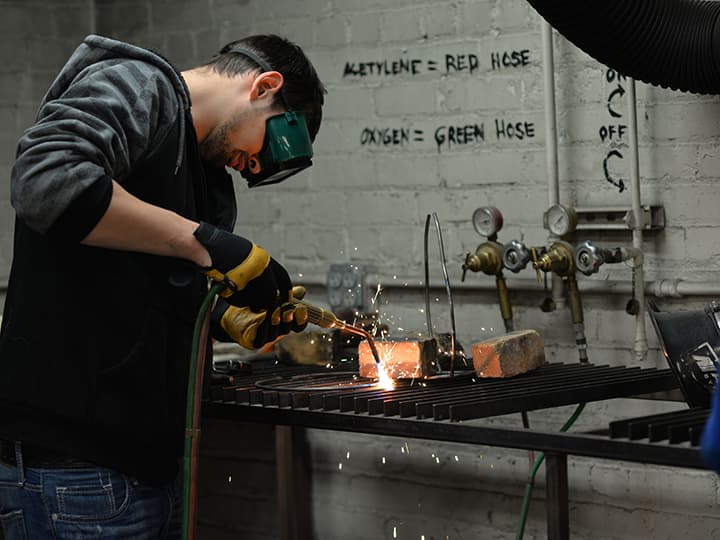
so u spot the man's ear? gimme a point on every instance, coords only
(266, 84)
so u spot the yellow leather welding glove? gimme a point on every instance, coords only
(251, 276)
(253, 329)
(300, 317)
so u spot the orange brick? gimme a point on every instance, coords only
(508, 355)
(402, 359)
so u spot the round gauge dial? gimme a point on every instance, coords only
(560, 219)
(487, 220)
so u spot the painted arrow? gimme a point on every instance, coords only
(619, 183)
(619, 91)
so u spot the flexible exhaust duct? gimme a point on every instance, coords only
(669, 43)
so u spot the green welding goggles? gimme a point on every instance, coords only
(287, 148)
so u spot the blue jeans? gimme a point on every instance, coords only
(81, 503)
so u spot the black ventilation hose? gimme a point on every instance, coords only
(669, 43)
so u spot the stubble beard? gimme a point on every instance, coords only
(214, 149)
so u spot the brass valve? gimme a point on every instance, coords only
(487, 259)
(558, 259)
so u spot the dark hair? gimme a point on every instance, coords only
(302, 88)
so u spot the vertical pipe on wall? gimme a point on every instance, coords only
(551, 146)
(92, 23)
(641, 345)
(551, 150)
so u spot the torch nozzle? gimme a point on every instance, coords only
(327, 319)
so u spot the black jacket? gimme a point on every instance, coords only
(95, 343)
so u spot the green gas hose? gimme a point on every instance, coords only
(534, 470)
(192, 432)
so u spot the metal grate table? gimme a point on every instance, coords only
(443, 409)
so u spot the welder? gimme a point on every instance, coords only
(124, 210)
(670, 43)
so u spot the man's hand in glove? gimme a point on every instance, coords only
(253, 329)
(253, 278)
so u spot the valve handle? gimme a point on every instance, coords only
(535, 265)
(465, 266)
(589, 258)
(515, 256)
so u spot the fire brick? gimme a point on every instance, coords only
(508, 355)
(402, 359)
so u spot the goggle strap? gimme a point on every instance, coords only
(263, 65)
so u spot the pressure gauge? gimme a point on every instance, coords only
(560, 219)
(487, 220)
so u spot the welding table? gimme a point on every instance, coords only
(438, 411)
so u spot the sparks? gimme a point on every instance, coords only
(384, 380)
(394, 532)
(377, 293)
(340, 466)
(230, 479)
(347, 456)
(383, 460)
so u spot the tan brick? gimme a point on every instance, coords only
(508, 355)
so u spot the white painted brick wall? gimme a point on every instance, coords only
(367, 202)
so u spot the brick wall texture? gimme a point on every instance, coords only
(432, 106)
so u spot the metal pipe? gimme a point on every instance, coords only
(641, 344)
(578, 320)
(551, 150)
(504, 299)
(551, 145)
(661, 288)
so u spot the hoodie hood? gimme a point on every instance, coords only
(96, 49)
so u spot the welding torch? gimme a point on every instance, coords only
(327, 319)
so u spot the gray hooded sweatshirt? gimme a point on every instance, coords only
(111, 106)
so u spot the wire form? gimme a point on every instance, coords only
(446, 281)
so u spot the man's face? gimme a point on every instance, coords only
(236, 142)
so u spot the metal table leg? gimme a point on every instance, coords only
(558, 524)
(293, 483)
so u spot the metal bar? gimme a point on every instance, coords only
(242, 394)
(404, 402)
(681, 432)
(639, 428)
(556, 478)
(560, 381)
(604, 388)
(465, 432)
(486, 391)
(621, 428)
(293, 475)
(300, 400)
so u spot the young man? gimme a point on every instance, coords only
(124, 207)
